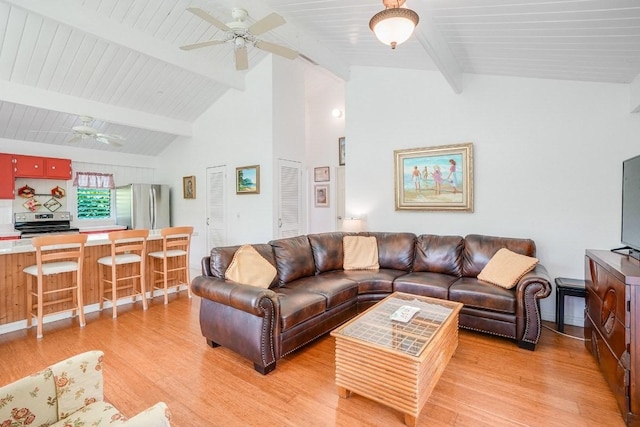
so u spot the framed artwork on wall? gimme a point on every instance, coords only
(434, 178)
(248, 180)
(189, 187)
(321, 174)
(341, 151)
(321, 198)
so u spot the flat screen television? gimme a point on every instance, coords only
(631, 205)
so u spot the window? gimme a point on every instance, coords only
(94, 203)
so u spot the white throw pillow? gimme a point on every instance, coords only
(250, 268)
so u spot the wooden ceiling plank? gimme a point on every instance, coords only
(90, 22)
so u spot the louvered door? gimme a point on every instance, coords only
(289, 199)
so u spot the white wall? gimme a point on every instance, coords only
(325, 93)
(236, 131)
(547, 159)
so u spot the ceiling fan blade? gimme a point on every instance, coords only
(277, 49)
(202, 44)
(267, 23)
(210, 19)
(76, 138)
(242, 59)
(108, 141)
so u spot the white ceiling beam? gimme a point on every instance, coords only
(434, 44)
(294, 37)
(40, 98)
(73, 14)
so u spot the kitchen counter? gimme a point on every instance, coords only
(15, 255)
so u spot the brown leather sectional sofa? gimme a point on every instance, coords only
(312, 294)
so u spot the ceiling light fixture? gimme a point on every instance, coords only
(395, 24)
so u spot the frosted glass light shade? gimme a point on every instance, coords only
(394, 26)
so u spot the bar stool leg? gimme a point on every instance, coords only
(101, 285)
(143, 283)
(165, 261)
(80, 299)
(114, 290)
(40, 307)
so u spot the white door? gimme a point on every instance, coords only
(289, 199)
(216, 206)
(340, 199)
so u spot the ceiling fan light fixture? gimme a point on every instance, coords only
(395, 24)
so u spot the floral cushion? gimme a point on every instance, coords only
(29, 401)
(156, 416)
(96, 414)
(78, 382)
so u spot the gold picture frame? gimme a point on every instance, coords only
(248, 180)
(435, 178)
(189, 187)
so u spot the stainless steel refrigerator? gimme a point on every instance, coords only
(143, 206)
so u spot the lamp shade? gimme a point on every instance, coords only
(394, 26)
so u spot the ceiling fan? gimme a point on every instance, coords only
(241, 34)
(84, 131)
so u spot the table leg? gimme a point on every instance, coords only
(410, 420)
(343, 392)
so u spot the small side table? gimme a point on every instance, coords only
(566, 287)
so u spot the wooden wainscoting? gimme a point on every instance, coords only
(160, 355)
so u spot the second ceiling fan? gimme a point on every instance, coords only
(241, 34)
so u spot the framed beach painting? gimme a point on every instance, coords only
(248, 180)
(435, 178)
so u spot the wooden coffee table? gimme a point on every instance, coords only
(394, 363)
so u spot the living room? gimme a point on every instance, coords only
(547, 156)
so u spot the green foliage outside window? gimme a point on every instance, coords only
(94, 203)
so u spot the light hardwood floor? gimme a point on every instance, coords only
(160, 355)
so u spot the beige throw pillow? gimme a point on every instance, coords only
(506, 268)
(360, 253)
(250, 268)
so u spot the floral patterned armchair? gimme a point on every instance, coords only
(69, 394)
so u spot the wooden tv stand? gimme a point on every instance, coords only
(612, 323)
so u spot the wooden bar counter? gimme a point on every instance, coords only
(15, 255)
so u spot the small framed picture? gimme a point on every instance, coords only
(189, 187)
(321, 174)
(321, 196)
(341, 151)
(248, 180)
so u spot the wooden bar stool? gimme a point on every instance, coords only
(67, 253)
(172, 260)
(128, 249)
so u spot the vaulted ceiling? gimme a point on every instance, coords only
(119, 61)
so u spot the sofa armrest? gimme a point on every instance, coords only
(532, 287)
(242, 297)
(156, 416)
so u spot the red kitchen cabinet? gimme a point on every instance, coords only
(28, 166)
(57, 168)
(6, 176)
(41, 167)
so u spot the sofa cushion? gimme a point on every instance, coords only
(250, 268)
(77, 384)
(439, 254)
(336, 290)
(360, 253)
(478, 250)
(478, 294)
(19, 405)
(506, 268)
(327, 251)
(435, 285)
(395, 250)
(96, 414)
(294, 258)
(298, 305)
(221, 257)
